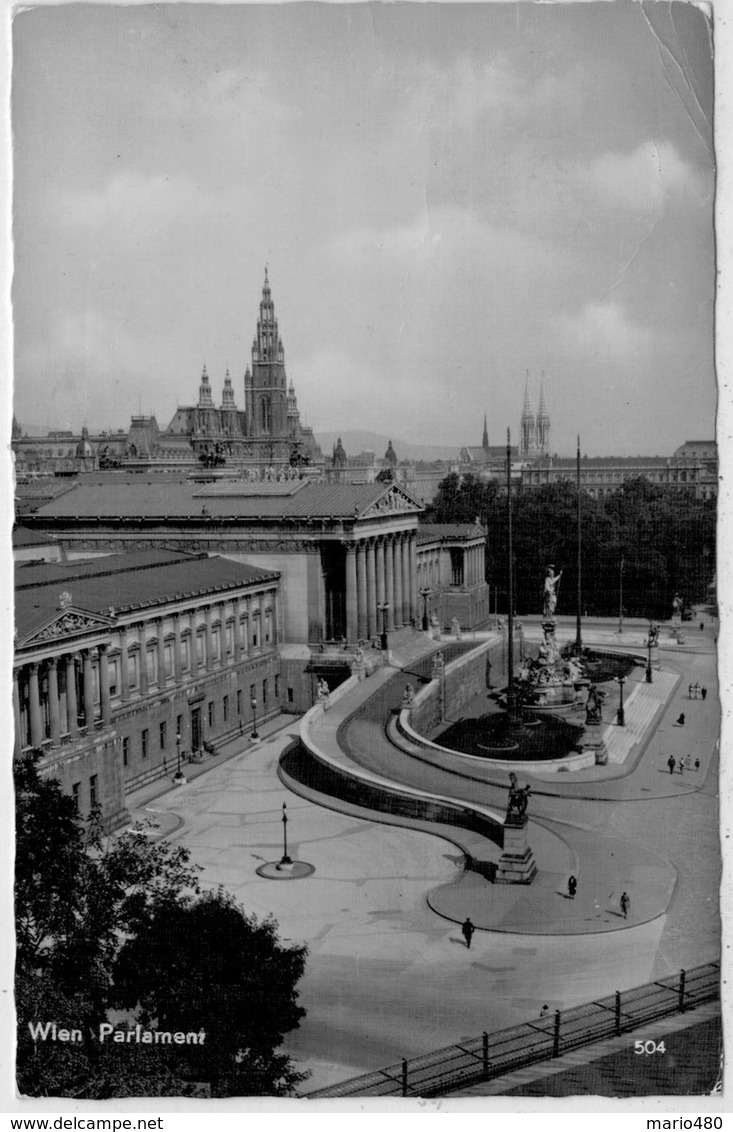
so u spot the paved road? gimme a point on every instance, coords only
(386, 977)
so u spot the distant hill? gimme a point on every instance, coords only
(359, 440)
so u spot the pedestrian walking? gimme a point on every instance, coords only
(697, 764)
(572, 887)
(468, 929)
(625, 904)
(697, 691)
(671, 764)
(704, 693)
(682, 766)
(702, 626)
(681, 720)
(690, 690)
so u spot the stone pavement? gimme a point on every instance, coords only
(386, 977)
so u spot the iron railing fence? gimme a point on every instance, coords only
(492, 1055)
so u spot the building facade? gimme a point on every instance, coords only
(602, 475)
(124, 665)
(451, 574)
(265, 434)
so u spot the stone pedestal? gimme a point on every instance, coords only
(593, 741)
(516, 864)
(654, 656)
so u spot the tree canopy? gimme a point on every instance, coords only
(641, 544)
(118, 930)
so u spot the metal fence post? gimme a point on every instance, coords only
(682, 992)
(556, 1040)
(404, 1077)
(618, 1012)
(486, 1055)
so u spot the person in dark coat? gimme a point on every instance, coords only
(572, 887)
(697, 764)
(703, 693)
(671, 764)
(681, 720)
(625, 904)
(468, 929)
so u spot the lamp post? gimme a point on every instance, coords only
(253, 704)
(383, 608)
(621, 596)
(285, 860)
(620, 718)
(424, 594)
(649, 655)
(178, 752)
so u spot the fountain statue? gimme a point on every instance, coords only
(550, 681)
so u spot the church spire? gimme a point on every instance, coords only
(206, 401)
(485, 439)
(527, 434)
(227, 397)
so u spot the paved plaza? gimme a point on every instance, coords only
(388, 976)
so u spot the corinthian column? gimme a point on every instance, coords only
(389, 582)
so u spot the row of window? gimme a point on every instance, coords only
(211, 717)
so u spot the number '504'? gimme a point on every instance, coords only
(649, 1047)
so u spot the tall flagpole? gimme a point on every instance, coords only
(510, 619)
(578, 634)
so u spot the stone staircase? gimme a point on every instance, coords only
(640, 708)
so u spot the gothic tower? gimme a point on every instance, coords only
(266, 386)
(485, 438)
(527, 430)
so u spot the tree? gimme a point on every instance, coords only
(205, 965)
(83, 901)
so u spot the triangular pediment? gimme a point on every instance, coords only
(394, 501)
(69, 622)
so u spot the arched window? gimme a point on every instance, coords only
(266, 414)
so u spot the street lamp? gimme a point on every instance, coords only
(383, 608)
(424, 594)
(649, 655)
(253, 704)
(178, 751)
(620, 718)
(285, 860)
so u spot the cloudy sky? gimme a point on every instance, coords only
(446, 195)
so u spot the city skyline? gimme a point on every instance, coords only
(445, 199)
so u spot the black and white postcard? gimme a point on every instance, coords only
(366, 471)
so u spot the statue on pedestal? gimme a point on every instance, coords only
(593, 706)
(552, 581)
(518, 797)
(408, 696)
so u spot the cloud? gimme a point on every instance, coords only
(605, 330)
(645, 178)
(133, 199)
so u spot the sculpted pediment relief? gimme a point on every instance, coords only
(395, 501)
(68, 623)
